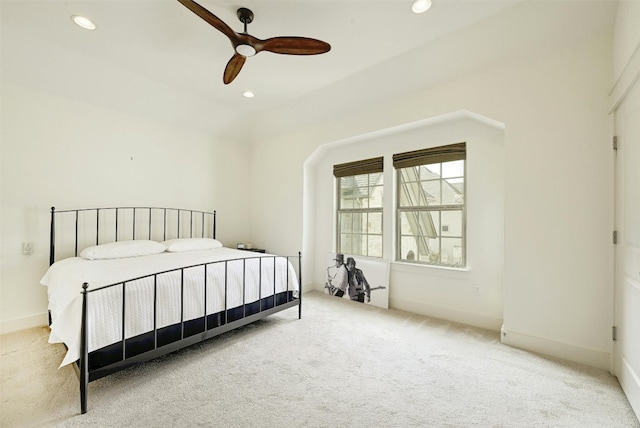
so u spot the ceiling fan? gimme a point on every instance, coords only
(245, 45)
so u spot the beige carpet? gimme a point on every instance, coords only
(343, 365)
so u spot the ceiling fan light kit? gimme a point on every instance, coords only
(245, 45)
(245, 50)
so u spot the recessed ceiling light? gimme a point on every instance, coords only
(83, 22)
(420, 6)
(248, 94)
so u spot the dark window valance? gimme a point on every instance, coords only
(367, 166)
(431, 155)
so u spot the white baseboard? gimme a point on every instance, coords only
(17, 324)
(448, 314)
(565, 351)
(630, 382)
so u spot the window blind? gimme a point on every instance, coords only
(367, 166)
(431, 155)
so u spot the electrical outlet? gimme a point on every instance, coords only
(27, 248)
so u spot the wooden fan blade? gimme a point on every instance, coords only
(233, 68)
(292, 45)
(211, 19)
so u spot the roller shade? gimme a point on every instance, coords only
(367, 166)
(431, 155)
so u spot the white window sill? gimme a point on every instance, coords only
(430, 269)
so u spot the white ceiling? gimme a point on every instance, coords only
(157, 59)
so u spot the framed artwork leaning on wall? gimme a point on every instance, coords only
(358, 278)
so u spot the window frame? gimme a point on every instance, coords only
(432, 156)
(365, 167)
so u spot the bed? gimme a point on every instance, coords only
(129, 284)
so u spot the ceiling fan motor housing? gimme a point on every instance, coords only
(245, 16)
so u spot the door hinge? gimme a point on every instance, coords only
(614, 333)
(615, 236)
(615, 142)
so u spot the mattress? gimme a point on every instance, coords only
(233, 278)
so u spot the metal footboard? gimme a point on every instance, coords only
(248, 313)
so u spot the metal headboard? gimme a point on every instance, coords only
(154, 223)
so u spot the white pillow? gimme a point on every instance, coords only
(122, 249)
(190, 244)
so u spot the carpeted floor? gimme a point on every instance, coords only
(342, 365)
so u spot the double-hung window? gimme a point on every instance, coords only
(431, 208)
(359, 222)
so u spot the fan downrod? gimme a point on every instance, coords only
(245, 15)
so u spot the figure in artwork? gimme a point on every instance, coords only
(358, 286)
(337, 277)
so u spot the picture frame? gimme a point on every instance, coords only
(358, 278)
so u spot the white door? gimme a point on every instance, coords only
(627, 250)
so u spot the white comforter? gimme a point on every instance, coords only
(64, 280)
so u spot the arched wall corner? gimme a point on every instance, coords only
(447, 294)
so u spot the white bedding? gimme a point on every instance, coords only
(64, 280)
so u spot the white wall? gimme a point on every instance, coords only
(557, 275)
(418, 288)
(62, 153)
(626, 37)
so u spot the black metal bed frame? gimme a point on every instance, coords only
(162, 341)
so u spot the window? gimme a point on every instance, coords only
(431, 208)
(359, 216)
